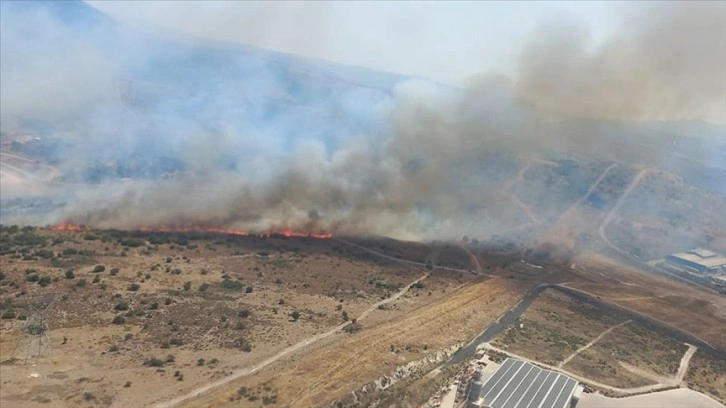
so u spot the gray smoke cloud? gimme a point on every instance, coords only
(389, 156)
(667, 62)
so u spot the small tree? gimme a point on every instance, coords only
(295, 315)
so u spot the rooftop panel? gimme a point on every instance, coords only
(519, 384)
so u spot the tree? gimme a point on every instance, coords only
(295, 315)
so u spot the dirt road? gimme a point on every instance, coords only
(296, 347)
(616, 207)
(588, 345)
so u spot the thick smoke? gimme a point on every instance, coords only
(668, 61)
(380, 155)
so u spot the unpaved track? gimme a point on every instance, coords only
(588, 345)
(616, 207)
(685, 362)
(296, 347)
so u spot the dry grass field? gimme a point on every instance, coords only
(144, 317)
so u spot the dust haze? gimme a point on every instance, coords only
(401, 173)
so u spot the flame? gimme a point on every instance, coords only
(287, 233)
(69, 227)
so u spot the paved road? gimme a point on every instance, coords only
(497, 327)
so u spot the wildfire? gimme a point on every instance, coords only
(69, 227)
(287, 233)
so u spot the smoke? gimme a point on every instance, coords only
(259, 141)
(667, 62)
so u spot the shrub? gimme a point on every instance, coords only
(33, 277)
(96, 279)
(134, 287)
(345, 316)
(154, 362)
(9, 314)
(243, 345)
(230, 284)
(113, 348)
(118, 320)
(187, 285)
(70, 251)
(154, 306)
(203, 287)
(200, 362)
(44, 281)
(170, 358)
(81, 283)
(240, 326)
(99, 268)
(44, 253)
(248, 289)
(70, 274)
(121, 306)
(176, 341)
(114, 271)
(244, 313)
(295, 315)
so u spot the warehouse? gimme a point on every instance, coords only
(701, 260)
(519, 384)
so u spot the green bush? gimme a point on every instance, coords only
(154, 362)
(9, 314)
(118, 320)
(44, 281)
(248, 289)
(99, 268)
(230, 284)
(70, 274)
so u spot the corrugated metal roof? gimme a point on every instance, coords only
(713, 262)
(518, 384)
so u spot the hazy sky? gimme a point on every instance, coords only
(445, 41)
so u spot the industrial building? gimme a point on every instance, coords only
(519, 384)
(700, 260)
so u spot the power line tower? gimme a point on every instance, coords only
(34, 340)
